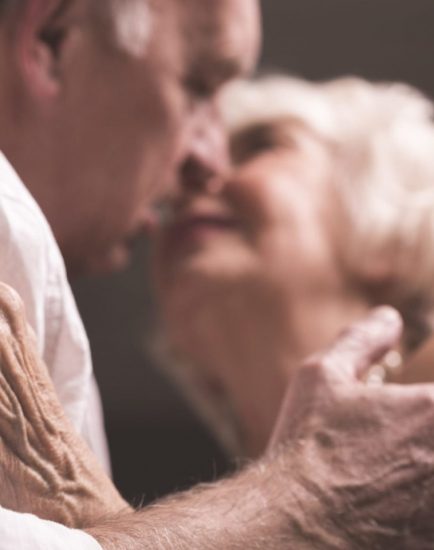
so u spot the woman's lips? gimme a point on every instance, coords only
(196, 229)
(205, 223)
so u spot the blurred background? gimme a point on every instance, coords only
(157, 444)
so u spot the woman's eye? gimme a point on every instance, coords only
(244, 148)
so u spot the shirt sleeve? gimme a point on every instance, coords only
(27, 532)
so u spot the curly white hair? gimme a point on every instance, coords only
(382, 135)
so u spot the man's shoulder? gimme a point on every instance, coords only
(24, 231)
(30, 260)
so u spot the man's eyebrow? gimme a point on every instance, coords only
(219, 69)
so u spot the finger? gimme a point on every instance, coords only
(362, 344)
(344, 362)
(12, 308)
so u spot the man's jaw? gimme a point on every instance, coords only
(117, 255)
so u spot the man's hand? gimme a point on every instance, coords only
(364, 455)
(351, 466)
(45, 468)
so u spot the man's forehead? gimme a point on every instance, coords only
(220, 33)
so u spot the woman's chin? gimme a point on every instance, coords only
(216, 265)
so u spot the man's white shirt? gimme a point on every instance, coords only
(31, 262)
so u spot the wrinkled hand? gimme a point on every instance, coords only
(45, 468)
(364, 455)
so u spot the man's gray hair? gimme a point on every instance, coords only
(133, 24)
(132, 21)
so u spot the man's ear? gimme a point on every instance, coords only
(39, 38)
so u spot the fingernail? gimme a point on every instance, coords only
(387, 314)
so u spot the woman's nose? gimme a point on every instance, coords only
(207, 158)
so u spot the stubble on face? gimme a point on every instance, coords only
(194, 47)
(127, 93)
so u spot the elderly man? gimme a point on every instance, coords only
(103, 105)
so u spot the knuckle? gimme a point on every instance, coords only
(329, 362)
(359, 337)
(10, 300)
(12, 311)
(425, 400)
(314, 369)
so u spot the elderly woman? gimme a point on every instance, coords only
(329, 211)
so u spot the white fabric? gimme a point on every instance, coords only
(30, 262)
(26, 532)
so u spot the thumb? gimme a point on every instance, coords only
(345, 361)
(359, 346)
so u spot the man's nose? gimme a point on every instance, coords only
(207, 158)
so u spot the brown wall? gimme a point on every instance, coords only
(156, 442)
(377, 39)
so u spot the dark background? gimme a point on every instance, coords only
(157, 444)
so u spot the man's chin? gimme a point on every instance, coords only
(116, 259)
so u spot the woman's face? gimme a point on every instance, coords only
(270, 221)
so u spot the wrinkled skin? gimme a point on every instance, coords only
(375, 475)
(349, 466)
(45, 468)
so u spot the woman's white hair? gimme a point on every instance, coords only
(383, 137)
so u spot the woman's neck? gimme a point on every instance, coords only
(255, 342)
